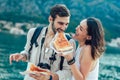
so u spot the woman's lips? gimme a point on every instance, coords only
(76, 34)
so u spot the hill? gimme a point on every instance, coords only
(38, 11)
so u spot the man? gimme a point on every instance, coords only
(58, 19)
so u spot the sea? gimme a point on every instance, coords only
(9, 43)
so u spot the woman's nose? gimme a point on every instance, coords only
(77, 28)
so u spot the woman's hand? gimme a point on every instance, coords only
(67, 56)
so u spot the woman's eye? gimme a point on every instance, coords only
(80, 28)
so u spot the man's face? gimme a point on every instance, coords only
(61, 23)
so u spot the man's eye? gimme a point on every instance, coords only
(67, 24)
(61, 23)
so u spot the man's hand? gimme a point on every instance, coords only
(16, 57)
(40, 75)
(44, 75)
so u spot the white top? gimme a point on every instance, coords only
(93, 75)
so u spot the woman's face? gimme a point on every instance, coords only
(81, 31)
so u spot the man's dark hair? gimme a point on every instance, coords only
(60, 10)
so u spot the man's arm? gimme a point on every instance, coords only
(25, 52)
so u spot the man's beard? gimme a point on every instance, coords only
(53, 28)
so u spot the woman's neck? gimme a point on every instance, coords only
(81, 43)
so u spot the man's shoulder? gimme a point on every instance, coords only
(35, 32)
(31, 30)
(68, 36)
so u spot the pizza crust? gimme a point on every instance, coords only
(34, 68)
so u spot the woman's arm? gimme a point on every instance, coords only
(86, 62)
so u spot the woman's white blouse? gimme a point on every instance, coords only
(93, 75)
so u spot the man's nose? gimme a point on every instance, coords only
(64, 26)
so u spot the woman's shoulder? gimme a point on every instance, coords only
(87, 51)
(87, 48)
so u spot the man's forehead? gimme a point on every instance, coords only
(63, 19)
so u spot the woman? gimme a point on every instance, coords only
(90, 36)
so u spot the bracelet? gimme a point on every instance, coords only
(50, 77)
(24, 56)
(72, 61)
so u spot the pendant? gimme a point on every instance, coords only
(46, 50)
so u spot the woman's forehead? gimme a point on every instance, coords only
(83, 21)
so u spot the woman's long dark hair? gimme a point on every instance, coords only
(95, 30)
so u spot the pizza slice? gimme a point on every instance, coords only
(61, 43)
(34, 68)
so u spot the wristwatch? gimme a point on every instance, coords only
(50, 77)
(72, 61)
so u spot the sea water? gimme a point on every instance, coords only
(9, 43)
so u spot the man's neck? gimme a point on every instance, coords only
(50, 31)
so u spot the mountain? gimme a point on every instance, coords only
(108, 11)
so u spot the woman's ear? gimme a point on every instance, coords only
(50, 19)
(89, 37)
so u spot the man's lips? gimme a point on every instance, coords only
(60, 30)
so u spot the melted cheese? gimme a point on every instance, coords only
(61, 43)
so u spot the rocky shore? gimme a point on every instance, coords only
(17, 28)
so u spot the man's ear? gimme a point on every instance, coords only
(50, 19)
(89, 37)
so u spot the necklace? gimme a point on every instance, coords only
(48, 39)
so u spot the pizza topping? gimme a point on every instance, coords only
(35, 68)
(61, 43)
